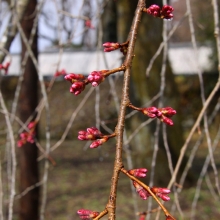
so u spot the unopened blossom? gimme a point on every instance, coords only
(161, 192)
(142, 216)
(163, 114)
(60, 73)
(87, 214)
(90, 134)
(167, 111)
(154, 10)
(5, 67)
(140, 172)
(141, 191)
(77, 87)
(98, 142)
(151, 112)
(108, 46)
(93, 134)
(164, 13)
(88, 23)
(27, 136)
(72, 77)
(96, 77)
(166, 120)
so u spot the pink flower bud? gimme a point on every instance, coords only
(88, 24)
(142, 216)
(166, 120)
(32, 124)
(141, 172)
(74, 77)
(20, 143)
(168, 111)
(60, 73)
(141, 191)
(77, 88)
(108, 46)
(96, 77)
(94, 131)
(166, 12)
(161, 192)
(5, 67)
(151, 112)
(24, 135)
(90, 134)
(154, 10)
(87, 214)
(98, 142)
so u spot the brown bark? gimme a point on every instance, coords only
(28, 153)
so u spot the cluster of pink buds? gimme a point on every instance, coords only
(140, 172)
(111, 46)
(5, 67)
(87, 214)
(156, 11)
(161, 192)
(144, 194)
(163, 114)
(78, 84)
(60, 73)
(92, 134)
(96, 77)
(27, 136)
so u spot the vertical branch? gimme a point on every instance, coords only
(111, 206)
(13, 156)
(216, 29)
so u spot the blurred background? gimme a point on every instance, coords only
(175, 64)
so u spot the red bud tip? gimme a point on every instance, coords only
(87, 214)
(141, 172)
(108, 46)
(161, 192)
(28, 136)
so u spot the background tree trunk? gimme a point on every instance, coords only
(28, 153)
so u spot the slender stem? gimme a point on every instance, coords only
(111, 206)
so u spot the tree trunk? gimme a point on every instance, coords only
(28, 153)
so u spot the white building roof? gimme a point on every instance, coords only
(182, 59)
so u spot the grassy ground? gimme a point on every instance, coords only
(82, 176)
(81, 179)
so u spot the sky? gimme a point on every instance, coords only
(51, 28)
